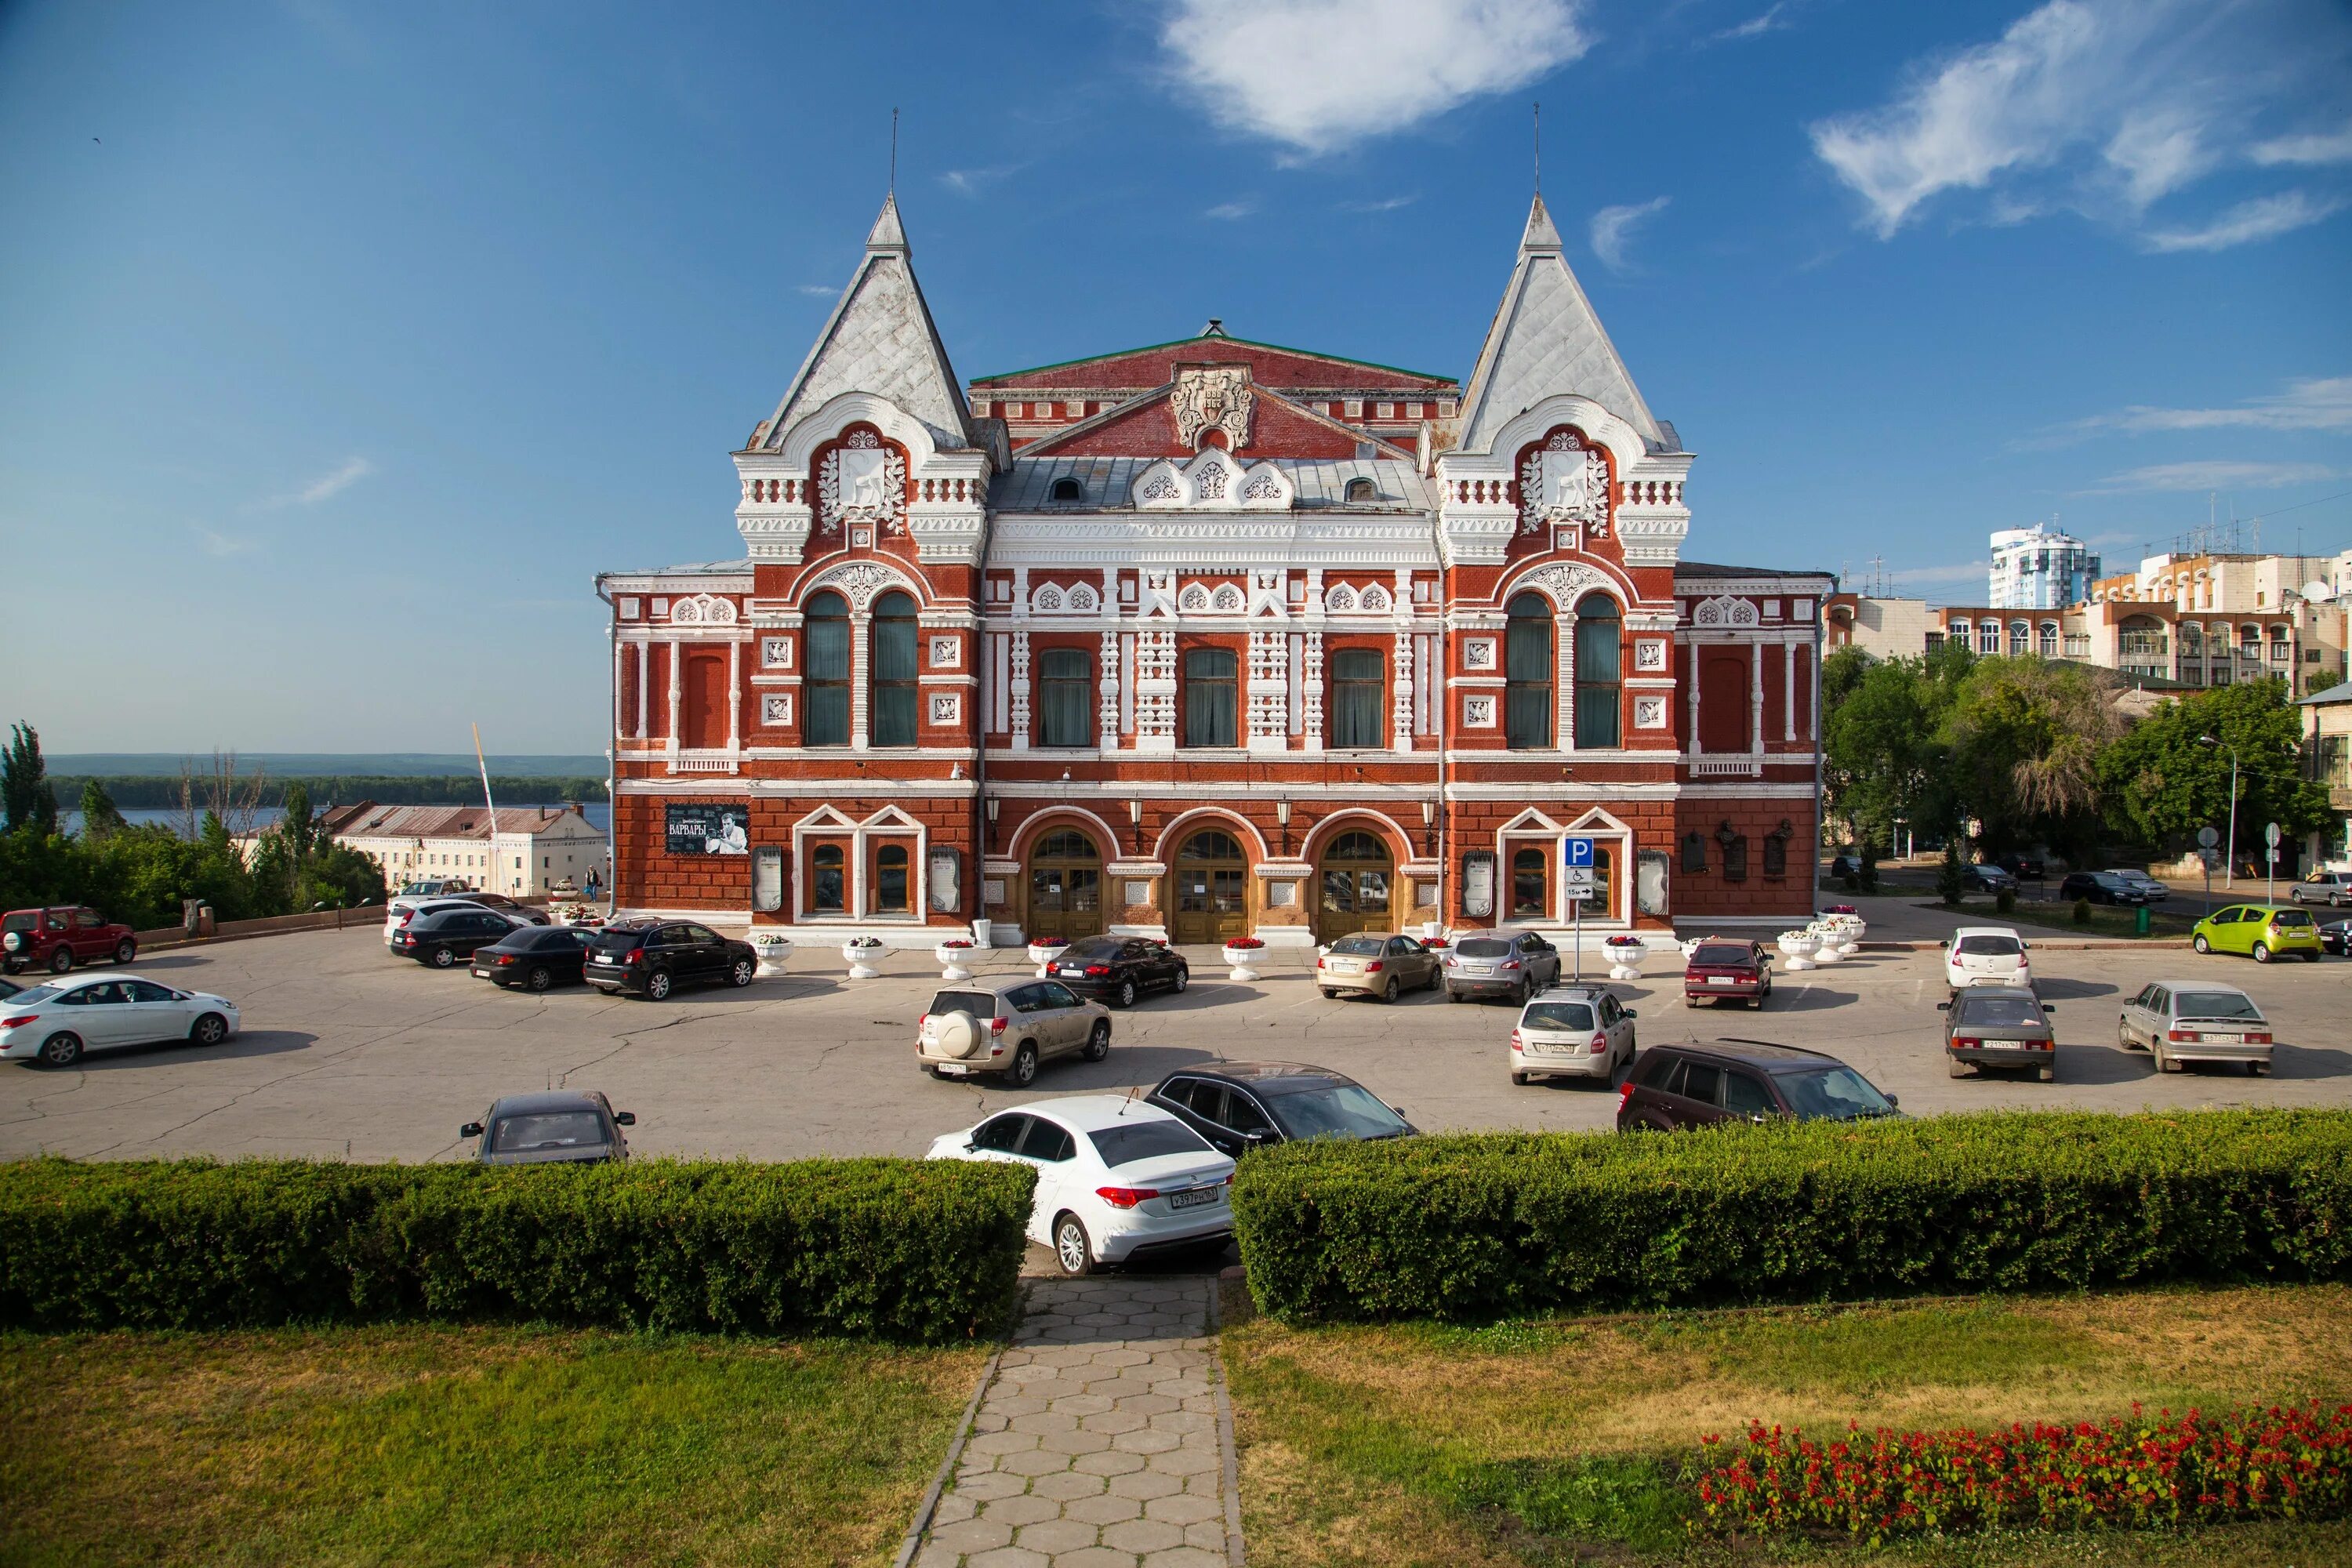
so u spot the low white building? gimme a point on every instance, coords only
(535, 847)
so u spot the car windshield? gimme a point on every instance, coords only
(1557, 1015)
(1999, 1012)
(1131, 1140)
(1833, 1094)
(1723, 954)
(2290, 918)
(1339, 1111)
(1481, 947)
(1359, 945)
(979, 1004)
(1988, 946)
(38, 993)
(546, 1130)
(2191, 1004)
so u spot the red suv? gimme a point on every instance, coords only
(58, 937)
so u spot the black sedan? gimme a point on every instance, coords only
(2100, 888)
(2336, 937)
(442, 936)
(1239, 1106)
(653, 958)
(562, 1126)
(1119, 968)
(1987, 879)
(534, 958)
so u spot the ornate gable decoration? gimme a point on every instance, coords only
(1565, 581)
(1564, 480)
(1216, 481)
(703, 610)
(1215, 397)
(862, 480)
(1724, 610)
(861, 579)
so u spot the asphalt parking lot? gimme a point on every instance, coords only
(350, 1051)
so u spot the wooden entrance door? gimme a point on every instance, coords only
(1211, 882)
(1065, 887)
(1356, 875)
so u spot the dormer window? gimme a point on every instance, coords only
(1067, 490)
(1361, 491)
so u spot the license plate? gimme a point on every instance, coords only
(1343, 967)
(604, 959)
(1721, 980)
(1477, 969)
(482, 975)
(2223, 1039)
(1194, 1198)
(2005, 1045)
(949, 1068)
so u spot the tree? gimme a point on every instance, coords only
(1883, 757)
(2025, 735)
(2161, 783)
(24, 794)
(99, 816)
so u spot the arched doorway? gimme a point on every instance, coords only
(1356, 875)
(1212, 878)
(1065, 887)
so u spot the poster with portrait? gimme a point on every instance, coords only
(710, 828)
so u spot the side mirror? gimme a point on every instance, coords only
(1399, 1109)
(1631, 1013)
(471, 1130)
(970, 1147)
(2048, 1008)
(1254, 1139)
(1943, 1006)
(625, 1117)
(1894, 1099)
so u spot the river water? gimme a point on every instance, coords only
(598, 812)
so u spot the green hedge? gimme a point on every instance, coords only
(891, 1249)
(1479, 1227)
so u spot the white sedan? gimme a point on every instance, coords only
(55, 1024)
(1116, 1176)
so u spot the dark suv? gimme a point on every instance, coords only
(652, 958)
(1119, 968)
(2099, 887)
(1238, 1106)
(1692, 1085)
(442, 936)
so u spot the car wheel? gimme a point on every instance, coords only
(2258, 1069)
(1024, 1064)
(1527, 989)
(209, 1030)
(2049, 1075)
(62, 1049)
(1961, 1070)
(1453, 996)
(2124, 1040)
(538, 979)
(2164, 1063)
(2262, 953)
(442, 958)
(125, 951)
(1127, 994)
(742, 972)
(657, 986)
(1072, 1250)
(1521, 1078)
(1389, 992)
(2199, 943)
(1098, 1040)
(61, 961)
(1184, 978)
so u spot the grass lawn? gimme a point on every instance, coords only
(2107, 921)
(1539, 1442)
(432, 1446)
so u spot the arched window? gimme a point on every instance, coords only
(1602, 902)
(1357, 689)
(893, 678)
(1530, 884)
(1067, 489)
(1988, 636)
(828, 894)
(1065, 698)
(1527, 673)
(828, 671)
(1361, 491)
(1598, 674)
(1210, 697)
(2017, 637)
(2050, 640)
(890, 880)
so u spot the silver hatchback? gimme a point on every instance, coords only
(978, 1029)
(2183, 1021)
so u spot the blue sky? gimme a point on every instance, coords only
(344, 344)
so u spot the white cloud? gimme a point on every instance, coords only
(2266, 218)
(973, 182)
(2321, 147)
(351, 471)
(1385, 204)
(215, 542)
(1318, 76)
(1772, 21)
(2309, 402)
(2218, 474)
(1612, 227)
(1966, 571)
(2101, 107)
(816, 290)
(1227, 212)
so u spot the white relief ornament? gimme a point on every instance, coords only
(1162, 487)
(1229, 599)
(1340, 599)
(1566, 481)
(946, 653)
(860, 580)
(1264, 487)
(946, 706)
(1649, 654)
(1725, 610)
(1195, 598)
(1649, 712)
(1216, 396)
(861, 480)
(776, 707)
(1478, 653)
(1210, 483)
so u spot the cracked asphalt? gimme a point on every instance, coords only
(348, 1051)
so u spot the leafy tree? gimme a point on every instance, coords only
(2161, 783)
(99, 813)
(1951, 877)
(2024, 736)
(1883, 756)
(24, 794)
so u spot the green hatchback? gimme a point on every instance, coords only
(2265, 931)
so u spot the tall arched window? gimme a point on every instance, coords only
(827, 892)
(1527, 673)
(1357, 691)
(1599, 677)
(827, 717)
(1530, 884)
(1210, 697)
(890, 880)
(893, 673)
(1065, 698)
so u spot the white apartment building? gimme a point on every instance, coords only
(2039, 568)
(535, 847)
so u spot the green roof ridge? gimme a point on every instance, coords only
(1219, 337)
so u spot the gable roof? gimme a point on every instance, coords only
(1272, 364)
(879, 339)
(1274, 404)
(1545, 339)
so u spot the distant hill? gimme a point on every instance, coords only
(326, 764)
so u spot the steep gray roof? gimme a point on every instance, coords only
(1110, 483)
(879, 339)
(2330, 698)
(1546, 340)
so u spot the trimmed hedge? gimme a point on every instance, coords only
(903, 1249)
(1475, 1227)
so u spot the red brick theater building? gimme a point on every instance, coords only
(1211, 638)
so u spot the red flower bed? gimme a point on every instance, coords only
(2161, 1472)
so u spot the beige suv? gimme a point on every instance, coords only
(1007, 1029)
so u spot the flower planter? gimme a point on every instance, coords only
(860, 958)
(1828, 951)
(1625, 957)
(1042, 954)
(1799, 947)
(773, 951)
(951, 958)
(1239, 959)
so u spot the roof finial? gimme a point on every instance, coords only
(894, 150)
(1538, 146)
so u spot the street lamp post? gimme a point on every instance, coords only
(2229, 865)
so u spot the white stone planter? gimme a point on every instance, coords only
(951, 962)
(1625, 958)
(773, 951)
(1828, 951)
(861, 960)
(1688, 948)
(1042, 954)
(1799, 947)
(1238, 960)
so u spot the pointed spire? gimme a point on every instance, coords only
(887, 233)
(1541, 234)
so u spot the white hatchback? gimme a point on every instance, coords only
(1986, 955)
(55, 1024)
(1117, 1177)
(1572, 1031)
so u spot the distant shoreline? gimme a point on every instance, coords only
(327, 765)
(161, 792)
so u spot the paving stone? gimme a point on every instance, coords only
(1107, 1508)
(1065, 1486)
(973, 1535)
(939, 1557)
(1147, 1484)
(1012, 1512)
(1095, 1557)
(1146, 1441)
(1056, 1535)
(1043, 1421)
(981, 1487)
(1182, 1509)
(1147, 1403)
(1116, 1421)
(1109, 1463)
(996, 1443)
(1177, 1462)
(1075, 1442)
(1038, 1462)
(955, 1508)
(1013, 1557)
(1082, 1404)
(1143, 1535)
(1174, 1557)
(1209, 1534)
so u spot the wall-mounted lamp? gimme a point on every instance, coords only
(1428, 827)
(1282, 816)
(1135, 819)
(992, 802)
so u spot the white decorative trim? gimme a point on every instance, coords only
(860, 581)
(776, 653)
(1478, 654)
(878, 492)
(1649, 712)
(1478, 712)
(946, 653)
(1559, 486)
(1649, 654)
(1724, 610)
(1213, 482)
(947, 707)
(1213, 396)
(702, 609)
(776, 707)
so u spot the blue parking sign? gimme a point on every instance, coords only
(1576, 851)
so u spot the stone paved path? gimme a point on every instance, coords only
(1097, 1444)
